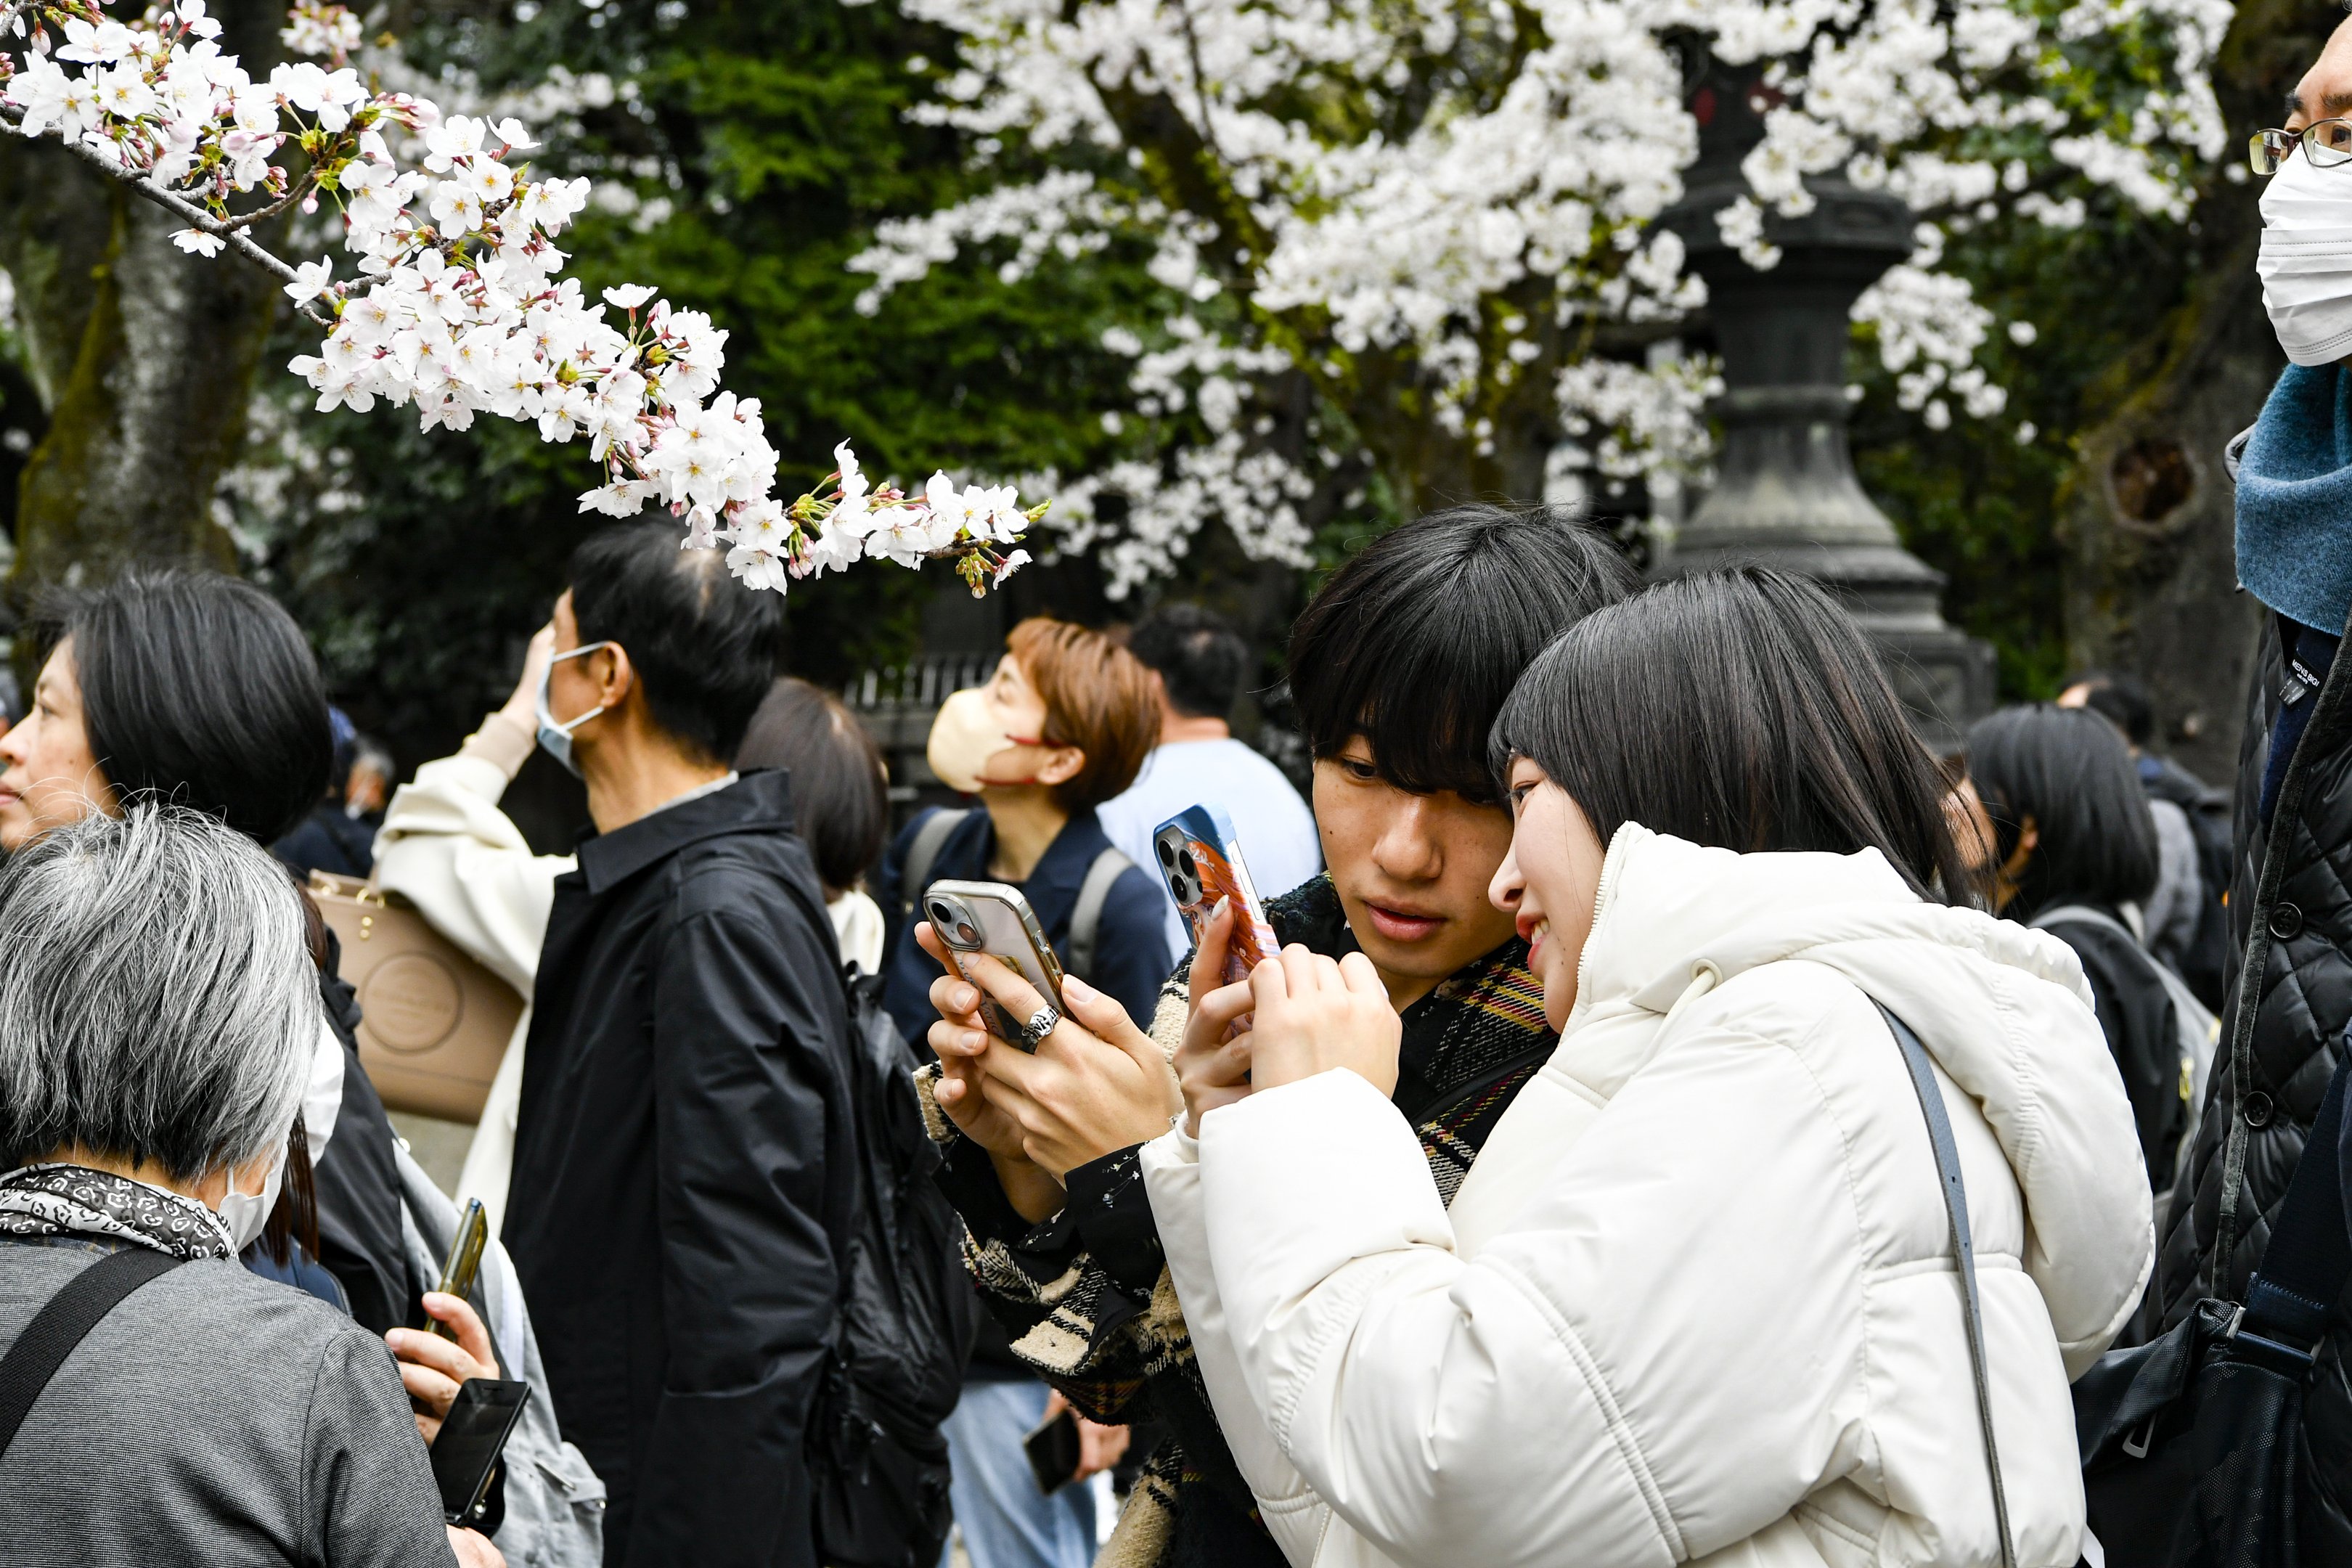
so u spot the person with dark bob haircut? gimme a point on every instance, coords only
(2066, 844)
(2186, 917)
(1696, 1297)
(1742, 711)
(197, 689)
(1398, 666)
(188, 685)
(841, 800)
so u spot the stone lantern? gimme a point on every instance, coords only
(1785, 492)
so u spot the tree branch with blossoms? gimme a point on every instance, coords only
(460, 307)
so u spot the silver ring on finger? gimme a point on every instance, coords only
(1040, 1024)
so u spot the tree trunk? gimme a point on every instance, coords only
(2149, 516)
(143, 355)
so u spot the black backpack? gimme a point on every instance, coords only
(2202, 963)
(877, 1463)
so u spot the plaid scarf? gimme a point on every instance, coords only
(1123, 1356)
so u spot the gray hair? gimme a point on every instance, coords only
(157, 997)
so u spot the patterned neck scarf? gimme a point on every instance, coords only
(74, 1200)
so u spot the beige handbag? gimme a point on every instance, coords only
(433, 1022)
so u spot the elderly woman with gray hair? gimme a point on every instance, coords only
(158, 1014)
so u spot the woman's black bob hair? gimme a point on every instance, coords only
(1414, 642)
(2068, 772)
(841, 802)
(1739, 709)
(199, 688)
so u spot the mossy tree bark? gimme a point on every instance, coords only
(2147, 518)
(144, 356)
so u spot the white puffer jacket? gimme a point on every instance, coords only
(1697, 1299)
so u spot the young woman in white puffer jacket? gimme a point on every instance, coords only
(1697, 1299)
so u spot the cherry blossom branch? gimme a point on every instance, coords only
(460, 307)
(195, 216)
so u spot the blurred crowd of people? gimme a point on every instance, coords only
(1645, 1108)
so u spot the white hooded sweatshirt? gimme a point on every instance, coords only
(1695, 1299)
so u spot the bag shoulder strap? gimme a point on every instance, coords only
(1085, 915)
(1956, 1208)
(923, 854)
(63, 1323)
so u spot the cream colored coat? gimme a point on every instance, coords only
(1696, 1300)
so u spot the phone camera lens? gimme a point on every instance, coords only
(1167, 854)
(1184, 860)
(968, 933)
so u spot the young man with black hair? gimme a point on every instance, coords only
(1399, 667)
(668, 1210)
(1198, 663)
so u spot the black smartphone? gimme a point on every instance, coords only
(1053, 1451)
(472, 1436)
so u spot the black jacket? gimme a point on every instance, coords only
(2290, 998)
(2135, 1013)
(673, 1193)
(358, 1184)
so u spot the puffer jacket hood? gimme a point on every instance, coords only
(2002, 1008)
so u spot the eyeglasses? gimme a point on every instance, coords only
(2326, 142)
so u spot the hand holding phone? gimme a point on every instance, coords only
(1200, 855)
(994, 918)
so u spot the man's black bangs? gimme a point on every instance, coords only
(1434, 747)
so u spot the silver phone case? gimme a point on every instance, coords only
(1007, 928)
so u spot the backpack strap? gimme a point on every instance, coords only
(1085, 915)
(63, 1323)
(923, 854)
(1956, 1210)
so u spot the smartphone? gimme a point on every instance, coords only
(472, 1436)
(464, 1260)
(1053, 1451)
(1201, 856)
(994, 918)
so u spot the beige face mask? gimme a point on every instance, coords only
(964, 736)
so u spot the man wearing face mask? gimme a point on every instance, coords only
(668, 1213)
(2289, 913)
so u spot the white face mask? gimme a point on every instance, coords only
(554, 737)
(2306, 260)
(245, 1212)
(964, 736)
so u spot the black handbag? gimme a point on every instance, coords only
(2193, 1445)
